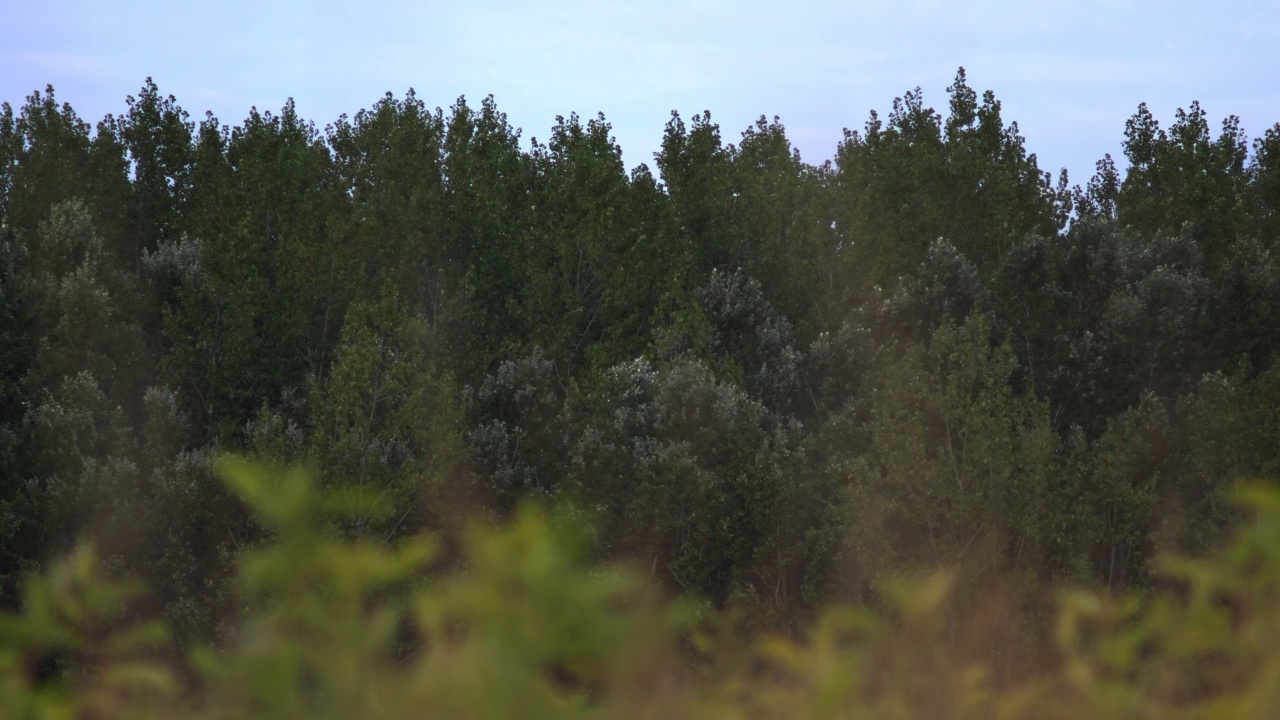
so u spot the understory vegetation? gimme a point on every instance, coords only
(406, 412)
(525, 627)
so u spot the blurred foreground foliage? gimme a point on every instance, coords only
(517, 622)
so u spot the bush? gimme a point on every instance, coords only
(524, 626)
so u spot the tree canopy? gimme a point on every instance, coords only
(769, 383)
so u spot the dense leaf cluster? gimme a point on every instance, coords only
(769, 383)
(530, 627)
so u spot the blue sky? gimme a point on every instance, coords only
(1070, 73)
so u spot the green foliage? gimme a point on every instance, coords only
(772, 385)
(75, 650)
(957, 456)
(526, 626)
(326, 628)
(158, 138)
(906, 181)
(1206, 649)
(78, 300)
(256, 317)
(384, 418)
(1264, 186)
(1184, 177)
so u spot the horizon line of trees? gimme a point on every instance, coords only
(772, 383)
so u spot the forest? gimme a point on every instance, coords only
(702, 410)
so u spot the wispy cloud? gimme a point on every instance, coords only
(68, 64)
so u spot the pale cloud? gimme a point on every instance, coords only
(196, 94)
(1076, 69)
(66, 64)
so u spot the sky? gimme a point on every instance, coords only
(1070, 73)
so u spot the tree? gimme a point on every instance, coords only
(960, 463)
(389, 160)
(385, 420)
(253, 322)
(1128, 476)
(487, 206)
(910, 180)
(685, 471)
(773, 220)
(158, 137)
(49, 158)
(694, 167)
(1264, 186)
(519, 430)
(1102, 315)
(577, 300)
(1184, 177)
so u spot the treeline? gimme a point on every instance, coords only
(770, 384)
